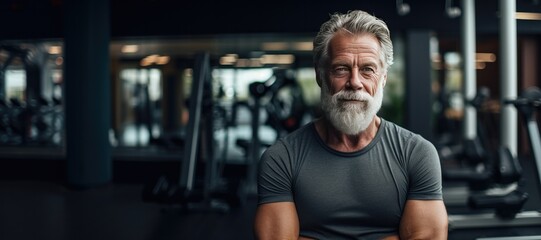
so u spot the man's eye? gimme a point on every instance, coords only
(368, 70)
(340, 71)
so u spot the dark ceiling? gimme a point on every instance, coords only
(42, 19)
(180, 28)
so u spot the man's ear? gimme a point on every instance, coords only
(384, 79)
(318, 79)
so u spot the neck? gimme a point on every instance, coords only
(343, 142)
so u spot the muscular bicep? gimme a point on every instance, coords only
(424, 219)
(276, 220)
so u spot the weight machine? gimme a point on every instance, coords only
(508, 207)
(211, 194)
(482, 169)
(284, 103)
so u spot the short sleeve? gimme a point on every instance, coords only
(424, 172)
(275, 175)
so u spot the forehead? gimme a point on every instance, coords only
(347, 43)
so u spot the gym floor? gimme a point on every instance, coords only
(37, 207)
(47, 210)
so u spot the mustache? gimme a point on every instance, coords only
(352, 95)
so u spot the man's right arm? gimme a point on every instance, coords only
(276, 220)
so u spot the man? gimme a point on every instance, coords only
(351, 174)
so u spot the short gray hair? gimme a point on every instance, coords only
(356, 21)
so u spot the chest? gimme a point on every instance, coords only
(364, 190)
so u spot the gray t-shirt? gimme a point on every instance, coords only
(357, 195)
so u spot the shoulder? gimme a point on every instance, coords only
(403, 135)
(289, 144)
(294, 140)
(397, 130)
(411, 144)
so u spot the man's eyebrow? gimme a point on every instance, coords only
(340, 63)
(370, 63)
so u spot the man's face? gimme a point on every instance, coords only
(353, 90)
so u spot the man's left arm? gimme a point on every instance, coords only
(424, 219)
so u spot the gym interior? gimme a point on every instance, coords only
(145, 119)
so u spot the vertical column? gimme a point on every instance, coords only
(88, 93)
(418, 84)
(508, 79)
(470, 74)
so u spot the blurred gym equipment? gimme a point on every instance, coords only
(285, 109)
(208, 192)
(508, 206)
(31, 119)
(484, 168)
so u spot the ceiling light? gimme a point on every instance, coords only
(145, 62)
(275, 46)
(277, 59)
(154, 59)
(228, 59)
(55, 50)
(303, 46)
(130, 48)
(162, 60)
(485, 57)
(528, 16)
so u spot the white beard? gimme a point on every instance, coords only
(351, 118)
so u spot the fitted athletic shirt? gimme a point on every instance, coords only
(350, 195)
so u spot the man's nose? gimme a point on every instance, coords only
(356, 80)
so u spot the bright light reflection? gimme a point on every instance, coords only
(528, 16)
(130, 48)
